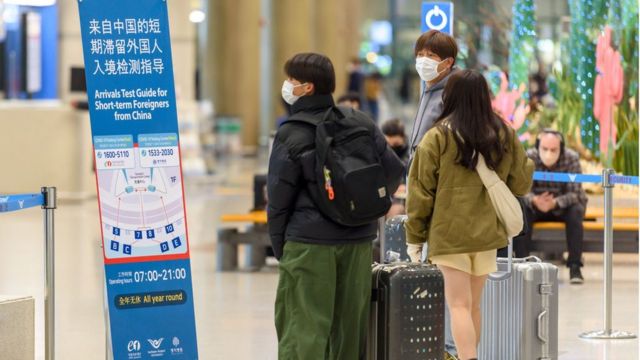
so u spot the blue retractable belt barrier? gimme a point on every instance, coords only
(564, 177)
(19, 202)
(582, 178)
(622, 179)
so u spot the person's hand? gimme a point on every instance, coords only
(544, 202)
(538, 202)
(415, 252)
(402, 190)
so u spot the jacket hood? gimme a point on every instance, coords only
(312, 103)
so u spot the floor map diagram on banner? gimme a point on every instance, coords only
(141, 195)
(136, 148)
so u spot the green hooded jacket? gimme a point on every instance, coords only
(448, 207)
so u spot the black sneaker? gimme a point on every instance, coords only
(575, 275)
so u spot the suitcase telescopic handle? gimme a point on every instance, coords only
(504, 275)
(382, 239)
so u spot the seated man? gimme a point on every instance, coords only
(552, 201)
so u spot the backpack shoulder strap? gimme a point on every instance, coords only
(306, 118)
(302, 117)
(343, 111)
(357, 118)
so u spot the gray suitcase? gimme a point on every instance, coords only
(520, 312)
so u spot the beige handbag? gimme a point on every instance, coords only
(504, 202)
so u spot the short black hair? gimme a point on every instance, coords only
(314, 68)
(350, 96)
(393, 127)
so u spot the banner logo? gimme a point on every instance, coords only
(155, 343)
(134, 345)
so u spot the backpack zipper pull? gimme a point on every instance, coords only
(327, 183)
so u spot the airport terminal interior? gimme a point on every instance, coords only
(228, 59)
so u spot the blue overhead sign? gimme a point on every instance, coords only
(437, 16)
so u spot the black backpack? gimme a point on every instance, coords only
(351, 186)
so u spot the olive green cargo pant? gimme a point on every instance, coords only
(322, 304)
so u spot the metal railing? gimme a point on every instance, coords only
(608, 179)
(48, 201)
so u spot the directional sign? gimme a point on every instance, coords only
(437, 16)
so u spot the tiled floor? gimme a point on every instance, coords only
(235, 310)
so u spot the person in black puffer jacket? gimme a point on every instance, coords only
(324, 288)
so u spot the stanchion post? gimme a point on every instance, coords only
(608, 247)
(49, 207)
(608, 332)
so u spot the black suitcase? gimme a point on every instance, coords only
(407, 313)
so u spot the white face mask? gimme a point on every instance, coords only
(287, 92)
(427, 68)
(549, 158)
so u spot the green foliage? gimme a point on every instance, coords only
(547, 118)
(570, 108)
(626, 116)
(523, 38)
(626, 150)
(587, 20)
(573, 87)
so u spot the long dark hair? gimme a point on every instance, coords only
(468, 113)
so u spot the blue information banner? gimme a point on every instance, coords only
(437, 15)
(130, 87)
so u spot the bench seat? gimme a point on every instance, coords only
(550, 238)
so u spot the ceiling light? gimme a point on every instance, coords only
(197, 16)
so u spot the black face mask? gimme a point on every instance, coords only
(400, 150)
